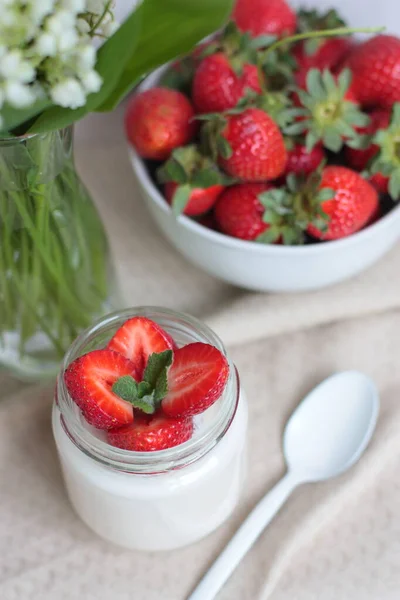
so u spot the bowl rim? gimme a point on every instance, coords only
(221, 239)
(224, 240)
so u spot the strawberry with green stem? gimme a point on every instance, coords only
(247, 143)
(350, 204)
(387, 161)
(258, 212)
(226, 72)
(329, 117)
(192, 181)
(320, 53)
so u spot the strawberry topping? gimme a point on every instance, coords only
(89, 381)
(138, 338)
(147, 434)
(196, 380)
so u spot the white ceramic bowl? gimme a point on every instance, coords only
(266, 268)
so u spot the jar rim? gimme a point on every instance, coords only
(156, 461)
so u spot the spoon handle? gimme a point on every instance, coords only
(244, 538)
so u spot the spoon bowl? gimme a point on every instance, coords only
(331, 427)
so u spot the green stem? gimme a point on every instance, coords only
(337, 31)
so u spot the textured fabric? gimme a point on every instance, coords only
(338, 540)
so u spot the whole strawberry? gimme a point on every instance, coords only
(302, 161)
(353, 205)
(217, 87)
(258, 211)
(226, 73)
(250, 145)
(159, 120)
(375, 65)
(260, 17)
(239, 212)
(192, 181)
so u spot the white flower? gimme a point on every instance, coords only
(18, 94)
(68, 93)
(13, 66)
(76, 6)
(67, 40)
(92, 82)
(46, 45)
(86, 57)
(60, 21)
(40, 9)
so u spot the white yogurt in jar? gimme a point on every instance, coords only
(155, 500)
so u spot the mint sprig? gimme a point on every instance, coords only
(147, 394)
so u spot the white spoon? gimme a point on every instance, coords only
(324, 437)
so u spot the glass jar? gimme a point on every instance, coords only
(154, 500)
(54, 257)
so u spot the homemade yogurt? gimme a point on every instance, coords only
(154, 500)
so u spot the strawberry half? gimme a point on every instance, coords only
(148, 434)
(196, 380)
(137, 339)
(89, 380)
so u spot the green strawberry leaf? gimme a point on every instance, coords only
(223, 147)
(394, 185)
(181, 198)
(206, 178)
(172, 170)
(326, 194)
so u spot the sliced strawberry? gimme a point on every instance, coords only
(89, 380)
(138, 338)
(196, 380)
(147, 434)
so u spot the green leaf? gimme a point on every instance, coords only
(329, 82)
(156, 32)
(295, 128)
(14, 117)
(312, 138)
(144, 389)
(156, 373)
(127, 389)
(262, 41)
(224, 147)
(156, 363)
(326, 194)
(181, 198)
(206, 178)
(332, 140)
(344, 81)
(169, 28)
(394, 185)
(172, 170)
(314, 84)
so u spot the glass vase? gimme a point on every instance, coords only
(54, 257)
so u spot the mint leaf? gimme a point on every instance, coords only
(157, 363)
(144, 389)
(126, 388)
(145, 404)
(156, 374)
(139, 395)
